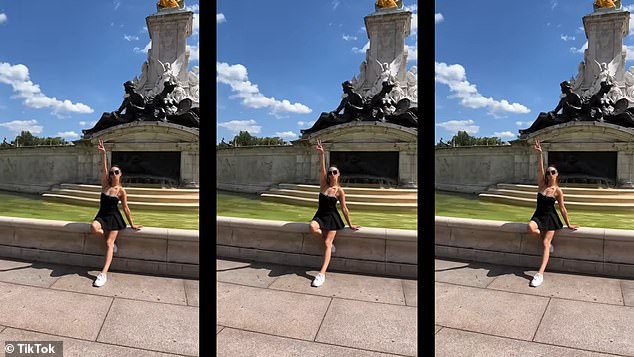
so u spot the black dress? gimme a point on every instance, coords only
(545, 214)
(109, 215)
(327, 215)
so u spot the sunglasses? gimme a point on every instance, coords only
(551, 172)
(114, 172)
(333, 172)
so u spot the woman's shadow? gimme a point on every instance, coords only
(275, 270)
(492, 270)
(57, 270)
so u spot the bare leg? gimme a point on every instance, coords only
(330, 237)
(547, 238)
(315, 229)
(533, 229)
(110, 238)
(95, 228)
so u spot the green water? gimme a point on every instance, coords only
(251, 206)
(469, 206)
(33, 206)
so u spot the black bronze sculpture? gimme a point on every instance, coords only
(135, 107)
(570, 106)
(381, 107)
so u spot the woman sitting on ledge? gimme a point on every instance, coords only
(545, 220)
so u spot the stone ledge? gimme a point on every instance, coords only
(368, 250)
(151, 250)
(586, 250)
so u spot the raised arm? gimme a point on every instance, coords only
(124, 203)
(104, 160)
(541, 182)
(562, 208)
(322, 165)
(342, 198)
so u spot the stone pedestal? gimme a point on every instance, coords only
(169, 31)
(605, 30)
(387, 30)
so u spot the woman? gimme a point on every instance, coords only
(545, 220)
(109, 221)
(327, 221)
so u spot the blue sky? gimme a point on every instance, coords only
(280, 64)
(499, 63)
(63, 63)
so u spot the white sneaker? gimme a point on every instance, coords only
(115, 249)
(552, 249)
(538, 279)
(101, 280)
(319, 279)
(333, 250)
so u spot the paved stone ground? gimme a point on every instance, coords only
(132, 315)
(271, 310)
(490, 310)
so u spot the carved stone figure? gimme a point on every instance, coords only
(133, 105)
(193, 79)
(382, 104)
(412, 84)
(388, 73)
(578, 80)
(359, 81)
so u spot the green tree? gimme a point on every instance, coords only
(245, 139)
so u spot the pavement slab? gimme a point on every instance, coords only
(192, 290)
(35, 274)
(232, 342)
(248, 273)
(470, 274)
(349, 286)
(40, 310)
(438, 328)
(372, 326)
(487, 311)
(410, 288)
(566, 286)
(78, 348)
(149, 325)
(270, 311)
(457, 343)
(590, 326)
(219, 328)
(130, 286)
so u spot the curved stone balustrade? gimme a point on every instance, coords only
(161, 251)
(381, 251)
(587, 250)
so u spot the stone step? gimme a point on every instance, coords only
(530, 202)
(570, 197)
(313, 202)
(351, 189)
(132, 197)
(569, 189)
(133, 189)
(350, 197)
(94, 202)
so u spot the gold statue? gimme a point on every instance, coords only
(604, 4)
(162, 4)
(385, 4)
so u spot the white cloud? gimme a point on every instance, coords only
(236, 126)
(131, 38)
(67, 135)
(194, 53)
(412, 8)
(303, 124)
(553, 4)
(349, 38)
(236, 77)
(286, 135)
(17, 126)
(144, 49)
(362, 29)
(196, 19)
(335, 4)
(523, 123)
(414, 24)
(17, 76)
(3, 18)
(505, 135)
(454, 126)
(630, 53)
(412, 53)
(579, 50)
(455, 77)
(567, 38)
(117, 3)
(362, 50)
(220, 18)
(438, 18)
